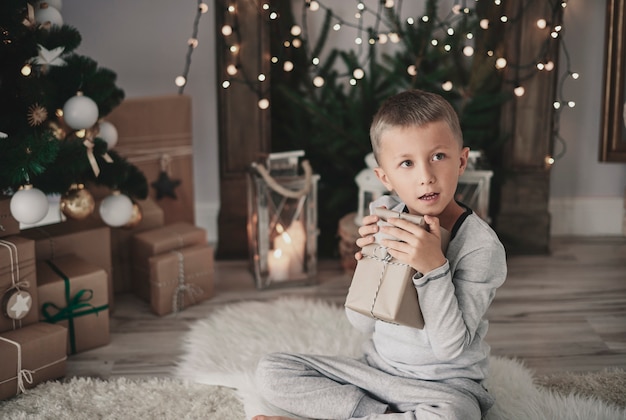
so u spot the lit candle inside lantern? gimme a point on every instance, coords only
(278, 265)
(291, 244)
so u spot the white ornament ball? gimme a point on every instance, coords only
(108, 133)
(80, 112)
(29, 205)
(116, 210)
(48, 14)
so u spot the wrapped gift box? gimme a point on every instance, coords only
(180, 278)
(121, 262)
(92, 244)
(73, 293)
(155, 134)
(382, 288)
(38, 348)
(158, 241)
(18, 283)
(8, 224)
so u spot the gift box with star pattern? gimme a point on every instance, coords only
(18, 283)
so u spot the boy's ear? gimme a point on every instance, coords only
(382, 176)
(463, 160)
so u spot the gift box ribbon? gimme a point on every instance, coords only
(182, 287)
(16, 283)
(386, 259)
(24, 375)
(78, 305)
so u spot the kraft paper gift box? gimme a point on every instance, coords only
(157, 241)
(121, 262)
(155, 134)
(180, 278)
(73, 293)
(382, 287)
(8, 224)
(92, 244)
(30, 356)
(18, 283)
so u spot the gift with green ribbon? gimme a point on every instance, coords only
(74, 293)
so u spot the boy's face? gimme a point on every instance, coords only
(422, 165)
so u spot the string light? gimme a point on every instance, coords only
(385, 31)
(192, 42)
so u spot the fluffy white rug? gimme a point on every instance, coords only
(121, 398)
(224, 349)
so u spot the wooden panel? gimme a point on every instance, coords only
(244, 132)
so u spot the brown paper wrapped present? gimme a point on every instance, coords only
(121, 262)
(92, 244)
(30, 356)
(73, 293)
(180, 278)
(155, 134)
(157, 241)
(382, 288)
(8, 224)
(18, 283)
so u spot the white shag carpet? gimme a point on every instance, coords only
(224, 349)
(121, 398)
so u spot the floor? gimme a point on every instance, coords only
(560, 312)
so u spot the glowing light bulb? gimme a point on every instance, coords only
(360, 6)
(203, 7)
(274, 60)
(575, 76)
(358, 74)
(410, 21)
(540, 66)
(261, 77)
(358, 41)
(504, 19)
(434, 42)
(314, 6)
(287, 66)
(447, 47)
(549, 66)
(412, 70)
(383, 38)
(225, 84)
(447, 86)
(394, 37)
(484, 23)
(549, 160)
(519, 91)
(450, 31)
(318, 81)
(468, 51)
(231, 9)
(233, 49)
(425, 18)
(264, 103)
(469, 35)
(371, 41)
(352, 82)
(227, 30)
(59, 113)
(337, 26)
(232, 69)
(501, 63)
(556, 105)
(456, 9)
(26, 70)
(315, 61)
(541, 23)
(296, 30)
(389, 4)
(180, 81)
(273, 16)
(266, 6)
(571, 104)
(193, 42)
(554, 34)
(297, 43)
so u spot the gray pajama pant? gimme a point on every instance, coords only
(336, 387)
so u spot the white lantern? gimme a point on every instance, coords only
(370, 188)
(282, 221)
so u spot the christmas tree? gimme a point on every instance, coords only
(53, 138)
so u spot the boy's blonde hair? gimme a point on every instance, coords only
(413, 108)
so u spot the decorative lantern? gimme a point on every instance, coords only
(370, 188)
(282, 221)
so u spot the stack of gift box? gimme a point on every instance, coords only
(58, 282)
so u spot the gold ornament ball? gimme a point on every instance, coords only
(135, 217)
(77, 203)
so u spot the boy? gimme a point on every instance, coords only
(406, 373)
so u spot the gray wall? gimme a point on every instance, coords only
(144, 42)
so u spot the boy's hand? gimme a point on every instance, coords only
(416, 246)
(367, 230)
